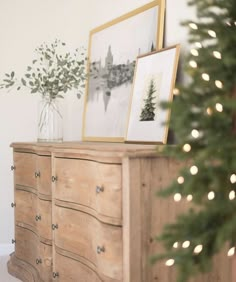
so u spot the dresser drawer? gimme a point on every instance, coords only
(97, 243)
(44, 222)
(25, 167)
(44, 262)
(26, 208)
(45, 173)
(93, 185)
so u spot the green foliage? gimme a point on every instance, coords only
(203, 116)
(148, 111)
(53, 72)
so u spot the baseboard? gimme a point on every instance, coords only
(6, 249)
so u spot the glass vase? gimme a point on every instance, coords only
(50, 122)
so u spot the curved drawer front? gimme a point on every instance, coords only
(44, 180)
(44, 263)
(26, 245)
(99, 244)
(26, 207)
(96, 186)
(44, 222)
(25, 167)
(71, 270)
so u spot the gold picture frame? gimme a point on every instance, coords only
(113, 49)
(154, 80)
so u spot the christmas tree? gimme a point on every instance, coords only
(148, 112)
(203, 117)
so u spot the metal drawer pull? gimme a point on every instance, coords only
(55, 274)
(13, 205)
(54, 226)
(13, 167)
(13, 241)
(38, 261)
(100, 249)
(38, 217)
(54, 178)
(99, 189)
(37, 174)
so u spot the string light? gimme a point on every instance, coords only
(219, 107)
(195, 133)
(193, 64)
(211, 195)
(193, 26)
(176, 91)
(189, 198)
(175, 245)
(193, 170)
(177, 197)
(180, 180)
(232, 195)
(217, 55)
(233, 178)
(186, 148)
(198, 249)
(205, 77)
(209, 111)
(170, 262)
(186, 244)
(219, 84)
(198, 44)
(194, 52)
(212, 33)
(231, 252)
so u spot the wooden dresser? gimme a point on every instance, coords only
(87, 212)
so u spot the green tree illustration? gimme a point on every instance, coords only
(147, 113)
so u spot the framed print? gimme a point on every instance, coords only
(113, 49)
(154, 80)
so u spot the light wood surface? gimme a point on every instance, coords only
(97, 214)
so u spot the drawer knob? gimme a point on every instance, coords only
(37, 174)
(100, 249)
(38, 217)
(13, 205)
(54, 226)
(38, 261)
(13, 241)
(54, 178)
(13, 167)
(99, 189)
(55, 274)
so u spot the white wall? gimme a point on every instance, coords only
(26, 24)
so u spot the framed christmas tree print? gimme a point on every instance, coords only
(154, 81)
(113, 50)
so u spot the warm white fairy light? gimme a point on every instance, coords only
(170, 262)
(198, 44)
(194, 52)
(193, 26)
(189, 198)
(209, 111)
(198, 249)
(180, 180)
(233, 178)
(232, 195)
(193, 170)
(193, 64)
(231, 252)
(186, 244)
(212, 33)
(176, 91)
(186, 148)
(177, 197)
(206, 76)
(217, 55)
(195, 133)
(211, 195)
(219, 84)
(219, 107)
(176, 245)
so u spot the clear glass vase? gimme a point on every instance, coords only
(50, 122)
